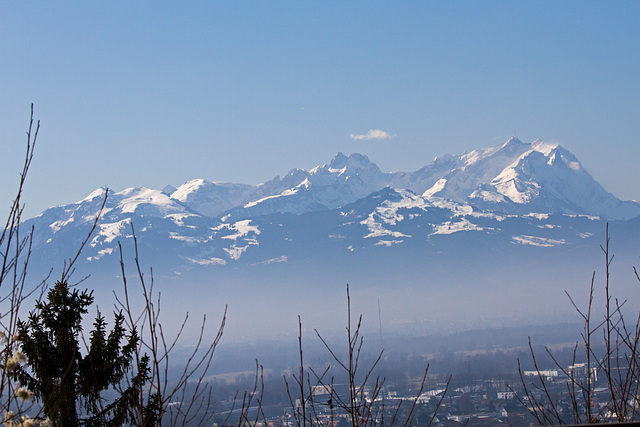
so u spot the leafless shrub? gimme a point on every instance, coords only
(187, 399)
(363, 402)
(15, 252)
(617, 365)
(15, 255)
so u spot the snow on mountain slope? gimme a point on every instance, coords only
(213, 198)
(139, 201)
(346, 179)
(513, 177)
(474, 168)
(343, 180)
(516, 177)
(172, 234)
(426, 177)
(401, 214)
(212, 223)
(546, 178)
(68, 225)
(146, 202)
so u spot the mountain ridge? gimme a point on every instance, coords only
(513, 219)
(505, 178)
(215, 223)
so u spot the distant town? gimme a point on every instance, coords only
(473, 388)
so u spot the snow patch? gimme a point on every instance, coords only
(103, 252)
(437, 187)
(283, 258)
(285, 193)
(538, 241)
(236, 252)
(574, 165)
(178, 219)
(550, 226)
(243, 228)
(539, 216)
(338, 171)
(209, 261)
(388, 243)
(110, 231)
(451, 227)
(187, 239)
(376, 229)
(56, 226)
(589, 217)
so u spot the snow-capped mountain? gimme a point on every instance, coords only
(210, 222)
(513, 177)
(514, 207)
(520, 178)
(212, 198)
(343, 180)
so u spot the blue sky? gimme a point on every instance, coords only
(156, 93)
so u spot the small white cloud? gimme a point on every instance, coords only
(372, 134)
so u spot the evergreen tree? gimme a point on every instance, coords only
(69, 384)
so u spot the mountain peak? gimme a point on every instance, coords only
(339, 158)
(514, 147)
(355, 160)
(99, 192)
(169, 189)
(514, 140)
(545, 147)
